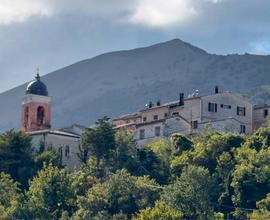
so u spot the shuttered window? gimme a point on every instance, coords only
(241, 111)
(212, 107)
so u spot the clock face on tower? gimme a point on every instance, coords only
(36, 107)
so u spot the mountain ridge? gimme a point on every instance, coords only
(120, 82)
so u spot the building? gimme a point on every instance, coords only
(36, 120)
(260, 114)
(224, 111)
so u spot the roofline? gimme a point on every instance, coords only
(150, 122)
(261, 106)
(74, 125)
(168, 104)
(66, 134)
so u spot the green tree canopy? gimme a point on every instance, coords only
(160, 211)
(125, 153)
(49, 156)
(16, 156)
(251, 178)
(99, 141)
(50, 193)
(10, 196)
(121, 193)
(191, 193)
(180, 143)
(207, 150)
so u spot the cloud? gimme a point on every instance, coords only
(260, 47)
(151, 13)
(215, 1)
(160, 13)
(154, 13)
(20, 11)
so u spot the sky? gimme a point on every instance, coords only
(51, 34)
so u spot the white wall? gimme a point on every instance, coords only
(223, 113)
(58, 141)
(149, 131)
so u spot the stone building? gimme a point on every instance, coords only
(36, 120)
(224, 111)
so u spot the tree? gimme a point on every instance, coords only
(250, 178)
(160, 211)
(223, 175)
(180, 143)
(263, 211)
(10, 196)
(121, 193)
(81, 181)
(207, 150)
(160, 153)
(260, 139)
(99, 141)
(16, 156)
(49, 194)
(191, 193)
(125, 153)
(49, 156)
(151, 164)
(162, 147)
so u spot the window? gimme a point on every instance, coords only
(155, 117)
(212, 107)
(165, 115)
(67, 151)
(175, 113)
(242, 129)
(60, 152)
(40, 115)
(142, 134)
(194, 124)
(241, 111)
(26, 117)
(225, 106)
(157, 131)
(265, 113)
(144, 119)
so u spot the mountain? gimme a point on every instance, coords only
(259, 95)
(121, 82)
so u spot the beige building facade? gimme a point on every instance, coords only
(224, 111)
(66, 144)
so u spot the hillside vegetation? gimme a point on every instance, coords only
(209, 176)
(259, 95)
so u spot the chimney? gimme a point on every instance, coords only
(216, 90)
(150, 104)
(181, 99)
(158, 102)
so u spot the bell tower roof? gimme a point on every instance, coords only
(37, 87)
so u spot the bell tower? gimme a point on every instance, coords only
(36, 107)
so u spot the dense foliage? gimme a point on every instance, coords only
(210, 175)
